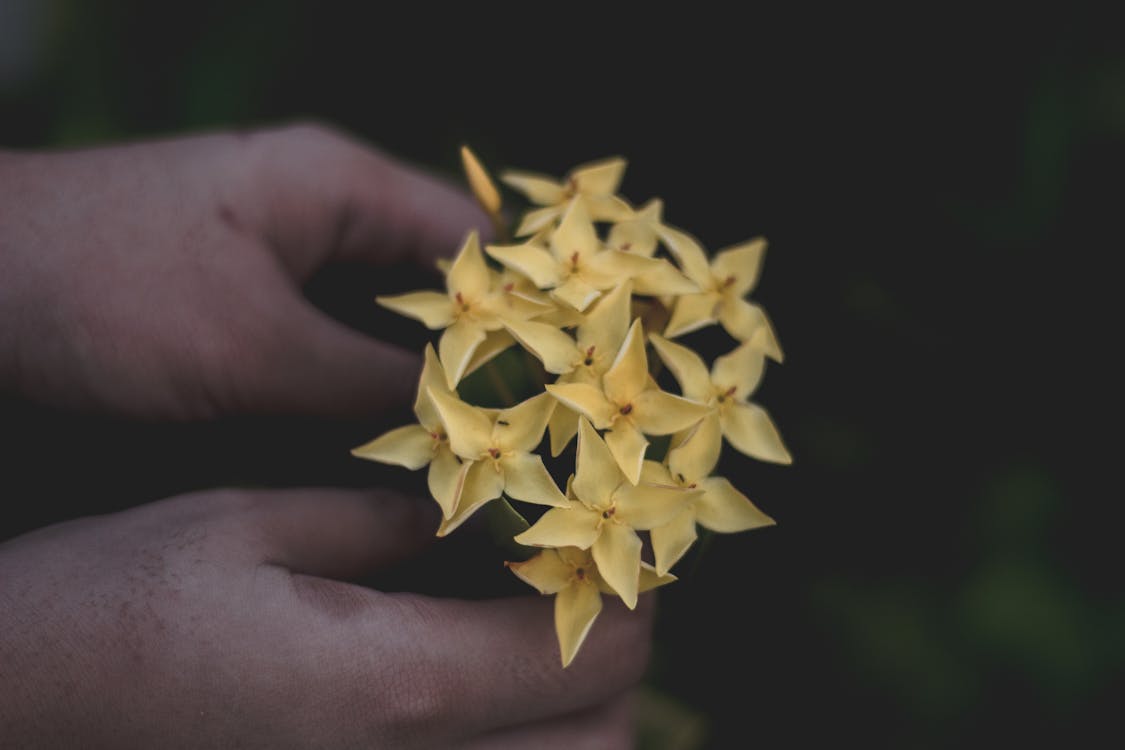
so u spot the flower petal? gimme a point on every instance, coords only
(650, 579)
(617, 552)
(741, 369)
(664, 279)
(749, 429)
(723, 508)
(607, 322)
(520, 428)
(658, 412)
(535, 220)
(692, 312)
(647, 506)
(748, 322)
(576, 526)
(575, 238)
(529, 259)
(689, 254)
(576, 293)
(446, 479)
(608, 268)
(576, 608)
(456, 348)
(695, 457)
(433, 309)
(527, 479)
(469, 276)
(688, 368)
(628, 446)
(563, 427)
(654, 472)
(596, 474)
(547, 572)
(606, 207)
(469, 429)
(628, 375)
(554, 348)
(740, 263)
(672, 540)
(586, 400)
(482, 484)
(411, 446)
(538, 188)
(601, 177)
(433, 376)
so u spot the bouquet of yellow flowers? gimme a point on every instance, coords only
(584, 291)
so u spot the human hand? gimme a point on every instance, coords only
(220, 619)
(161, 279)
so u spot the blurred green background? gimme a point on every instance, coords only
(941, 193)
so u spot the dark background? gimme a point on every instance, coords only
(940, 193)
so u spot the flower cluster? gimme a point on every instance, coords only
(587, 287)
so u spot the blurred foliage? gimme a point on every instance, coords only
(939, 202)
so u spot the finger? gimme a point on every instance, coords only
(329, 197)
(337, 533)
(308, 363)
(604, 727)
(480, 666)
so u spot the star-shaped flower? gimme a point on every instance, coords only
(497, 446)
(595, 184)
(583, 359)
(718, 506)
(629, 404)
(577, 268)
(723, 284)
(606, 515)
(725, 390)
(572, 576)
(417, 445)
(469, 310)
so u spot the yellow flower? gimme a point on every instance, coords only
(724, 282)
(628, 404)
(725, 390)
(572, 576)
(469, 310)
(595, 183)
(496, 446)
(606, 516)
(417, 445)
(718, 506)
(480, 183)
(576, 267)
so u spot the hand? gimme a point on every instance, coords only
(214, 620)
(161, 280)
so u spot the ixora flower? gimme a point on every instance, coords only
(496, 451)
(718, 506)
(577, 268)
(572, 301)
(606, 514)
(571, 574)
(425, 443)
(724, 283)
(471, 308)
(594, 184)
(628, 405)
(725, 390)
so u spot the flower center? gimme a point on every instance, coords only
(626, 409)
(589, 360)
(461, 302)
(580, 573)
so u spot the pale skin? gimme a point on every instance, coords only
(162, 281)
